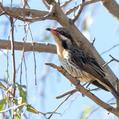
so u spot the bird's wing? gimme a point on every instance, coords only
(84, 62)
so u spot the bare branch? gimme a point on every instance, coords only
(27, 47)
(66, 93)
(66, 3)
(112, 59)
(113, 7)
(47, 16)
(93, 41)
(13, 60)
(30, 14)
(45, 3)
(82, 5)
(114, 46)
(97, 108)
(107, 63)
(80, 9)
(71, 10)
(84, 91)
(59, 106)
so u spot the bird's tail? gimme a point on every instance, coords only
(107, 87)
(99, 85)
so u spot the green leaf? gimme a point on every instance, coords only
(32, 109)
(2, 103)
(17, 116)
(85, 112)
(22, 92)
(2, 86)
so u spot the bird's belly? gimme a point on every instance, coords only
(77, 73)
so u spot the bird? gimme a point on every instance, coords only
(78, 63)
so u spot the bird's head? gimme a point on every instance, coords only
(62, 37)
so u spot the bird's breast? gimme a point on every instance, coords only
(73, 71)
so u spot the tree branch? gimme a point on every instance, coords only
(19, 13)
(81, 6)
(78, 37)
(66, 3)
(113, 7)
(84, 91)
(27, 46)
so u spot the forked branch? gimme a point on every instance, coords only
(84, 91)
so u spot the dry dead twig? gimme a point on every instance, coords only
(13, 59)
(81, 6)
(112, 59)
(66, 93)
(66, 3)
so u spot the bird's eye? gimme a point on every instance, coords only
(64, 44)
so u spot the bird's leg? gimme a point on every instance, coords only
(77, 82)
(88, 84)
(85, 84)
(95, 89)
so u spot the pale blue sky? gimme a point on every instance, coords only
(104, 29)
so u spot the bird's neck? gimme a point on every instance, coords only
(61, 52)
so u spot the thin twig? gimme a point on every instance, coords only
(25, 4)
(82, 5)
(13, 52)
(66, 3)
(25, 67)
(45, 3)
(93, 41)
(13, 108)
(50, 14)
(97, 108)
(112, 59)
(79, 10)
(13, 58)
(117, 100)
(22, 105)
(21, 64)
(66, 93)
(34, 56)
(59, 106)
(107, 63)
(24, 17)
(108, 50)
(7, 69)
(71, 10)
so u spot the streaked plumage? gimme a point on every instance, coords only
(79, 64)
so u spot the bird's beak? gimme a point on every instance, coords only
(48, 29)
(55, 35)
(53, 31)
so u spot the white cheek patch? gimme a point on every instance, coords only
(64, 38)
(68, 41)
